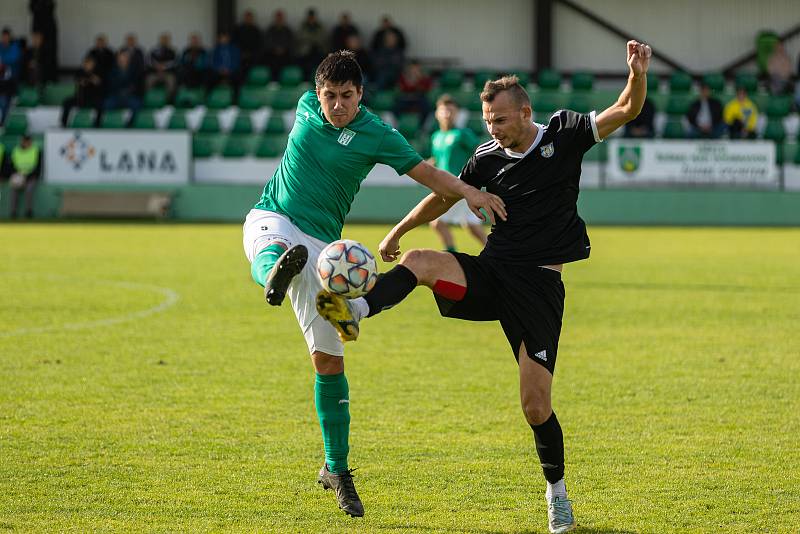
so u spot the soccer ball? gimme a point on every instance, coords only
(347, 268)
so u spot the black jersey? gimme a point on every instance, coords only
(540, 190)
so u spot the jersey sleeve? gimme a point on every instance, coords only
(395, 152)
(579, 129)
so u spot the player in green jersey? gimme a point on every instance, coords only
(333, 145)
(451, 147)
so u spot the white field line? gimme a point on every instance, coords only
(171, 297)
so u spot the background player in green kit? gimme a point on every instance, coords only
(451, 147)
(333, 145)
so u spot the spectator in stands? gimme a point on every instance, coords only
(35, 61)
(741, 116)
(193, 67)
(247, 36)
(414, 85)
(103, 58)
(226, 63)
(354, 44)
(25, 166)
(135, 56)
(342, 31)
(8, 88)
(44, 22)
(279, 41)
(88, 91)
(388, 61)
(379, 38)
(123, 87)
(163, 66)
(11, 54)
(705, 116)
(642, 126)
(312, 42)
(779, 69)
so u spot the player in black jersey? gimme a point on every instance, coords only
(516, 279)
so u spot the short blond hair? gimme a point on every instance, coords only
(492, 88)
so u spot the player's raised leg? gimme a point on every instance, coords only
(535, 382)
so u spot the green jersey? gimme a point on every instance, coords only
(452, 149)
(323, 167)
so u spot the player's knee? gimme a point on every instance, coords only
(326, 364)
(436, 224)
(536, 410)
(416, 260)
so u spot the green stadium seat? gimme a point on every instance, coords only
(451, 79)
(653, 83)
(715, 81)
(258, 76)
(275, 124)
(422, 144)
(291, 76)
(778, 107)
(243, 123)
(547, 102)
(382, 101)
(177, 120)
(549, 79)
(747, 80)
(481, 77)
(113, 119)
(408, 124)
(775, 131)
(188, 97)
(252, 98)
(82, 118)
(582, 81)
(680, 82)
(210, 123)
(524, 78)
(673, 129)
(284, 99)
(55, 93)
(16, 123)
(220, 98)
(144, 120)
(155, 98)
(27, 97)
(678, 106)
(476, 124)
(9, 141)
(473, 101)
(271, 146)
(580, 103)
(206, 145)
(239, 146)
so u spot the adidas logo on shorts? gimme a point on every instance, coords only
(542, 355)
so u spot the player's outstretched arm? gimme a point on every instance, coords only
(447, 185)
(631, 100)
(431, 207)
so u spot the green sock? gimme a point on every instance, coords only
(263, 262)
(451, 249)
(332, 397)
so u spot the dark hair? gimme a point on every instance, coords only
(338, 68)
(447, 100)
(506, 83)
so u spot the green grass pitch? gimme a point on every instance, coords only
(146, 387)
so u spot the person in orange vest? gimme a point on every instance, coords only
(25, 165)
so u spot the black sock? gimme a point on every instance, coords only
(550, 447)
(390, 289)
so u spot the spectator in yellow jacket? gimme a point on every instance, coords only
(740, 115)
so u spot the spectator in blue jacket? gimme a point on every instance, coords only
(225, 62)
(123, 86)
(10, 53)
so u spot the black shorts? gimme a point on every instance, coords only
(527, 300)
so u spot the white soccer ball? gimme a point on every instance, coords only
(347, 268)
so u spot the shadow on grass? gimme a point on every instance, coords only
(477, 530)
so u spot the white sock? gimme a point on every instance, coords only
(359, 307)
(556, 488)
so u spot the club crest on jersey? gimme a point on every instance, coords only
(346, 136)
(547, 150)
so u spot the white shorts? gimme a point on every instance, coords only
(460, 214)
(264, 227)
